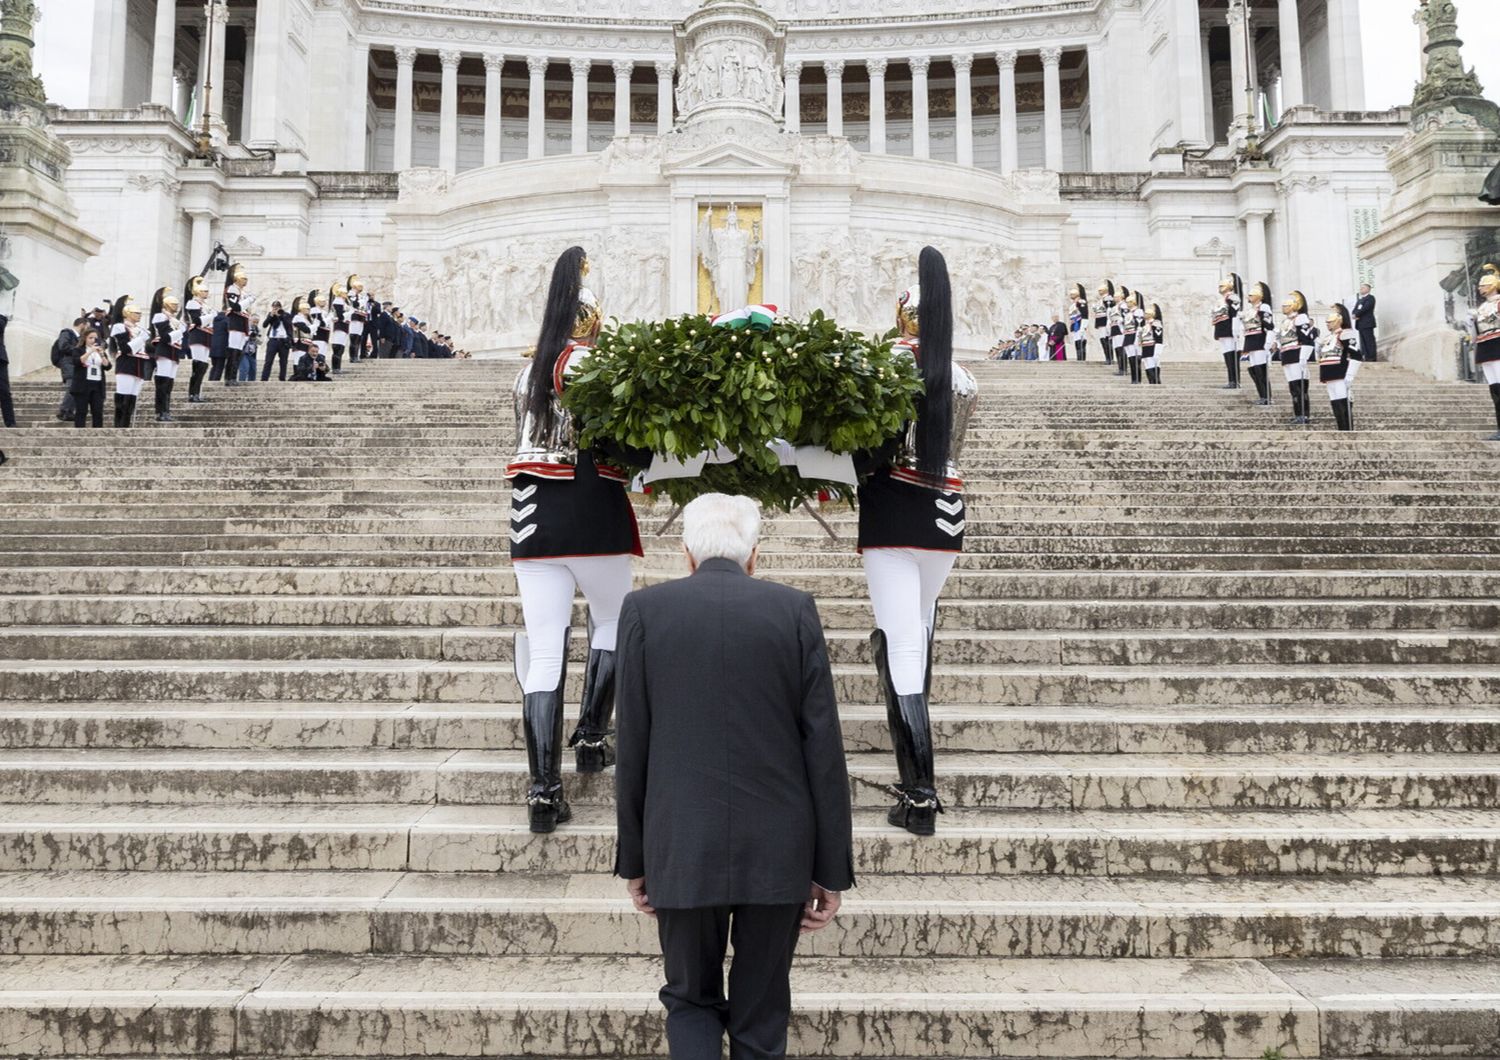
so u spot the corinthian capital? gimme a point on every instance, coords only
(919, 64)
(405, 56)
(537, 64)
(450, 58)
(1051, 56)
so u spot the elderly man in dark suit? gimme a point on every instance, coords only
(732, 791)
(1364, 321)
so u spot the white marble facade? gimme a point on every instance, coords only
(448, 151)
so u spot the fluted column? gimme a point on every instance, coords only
(623, 69)
(493, 65)
(1289, 26)
(1239, 67)
(162, 48)
(184, 94)
(877, 68)
(793, 96)
(448, 112)
(664, 97)
(962, 65)
(580, 68)
(404, 59)
(536, 107)
(921, 143)
(1052, 102)
(1009, 140)
(833, 69)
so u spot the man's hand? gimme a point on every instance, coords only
(637, 891)
(819, 911)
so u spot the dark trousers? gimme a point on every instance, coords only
(276, 348)
(65, 410)
(90, 404)
(7, 406)
(759, 1005)
(1367, 343)
(216, 371)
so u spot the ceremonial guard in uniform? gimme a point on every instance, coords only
(1101, 319)
(1134, 320)
(1296, 339)
(127, 347)
(237, 303)
(198, 338)
(359, 317)
(338, 323)
(911, 529)
(1227, 326)
(1259, 324)
(1078, 321)
(1338, 348)
(571, 527)
(1487, 337)
(166, 346)
(1117, 328)
(317, 312)
(1152, 341)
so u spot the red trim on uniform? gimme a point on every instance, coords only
(560, 369)
(909, 548)
(561, 472)
(916, 478)
(1488, 336)
(610, 473)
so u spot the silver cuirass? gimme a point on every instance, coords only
(560, 445)
(965, 401)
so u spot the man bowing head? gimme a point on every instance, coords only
(732, 792)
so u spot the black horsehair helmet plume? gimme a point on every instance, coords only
(558, 320)
(156, 302)
(229, 281)
(1239, 286)
(117, 309)
(935, 323)
(1345, 322)
(187, 289)
(1111, 285)
(1265, 292)
(1156, 311)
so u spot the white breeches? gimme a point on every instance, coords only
(200, 353)
(547, 587)
(905, 584)
(1229, 345)
(166, 368)
(1151, 360)
(1491, 371)
(1353, 371)
(1294, 372)
(1118, 341)
(322, 348)
(1259, 357)
(237, 340)
(341, 338)
(129, 385)
(1338, 389)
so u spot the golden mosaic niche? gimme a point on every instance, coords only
(750, 215)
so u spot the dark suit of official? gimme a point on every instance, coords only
(7, 406)
(732, 794)
(1364, 323)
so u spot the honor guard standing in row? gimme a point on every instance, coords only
(166, 347)
(1296, 340)
(198, 338)
(1117, 328)
(237, 303)
(1259, 324)
(338, 323)
(911, 529)
(1487, 337)
(1226, 321)
(1078, 321)
(1153, 338)
(572, 527)
(1102, 317)
(317, 314)
(1134, 322)
(127, 347)
(1337, 350)
(359, 316)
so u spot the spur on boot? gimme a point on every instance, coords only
(593, 742)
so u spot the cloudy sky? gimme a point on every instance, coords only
(1390, 41)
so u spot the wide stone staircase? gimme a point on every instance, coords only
(1217, 704)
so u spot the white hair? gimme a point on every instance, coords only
(718, 526)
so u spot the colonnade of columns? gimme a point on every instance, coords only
(536, 119)
(920, 65)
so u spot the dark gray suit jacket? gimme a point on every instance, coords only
(731, 785)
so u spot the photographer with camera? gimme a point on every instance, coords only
(91, 362)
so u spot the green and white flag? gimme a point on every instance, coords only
(753, 317)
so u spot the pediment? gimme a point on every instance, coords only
(731, 158)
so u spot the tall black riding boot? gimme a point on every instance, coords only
(1306, 387)
(195, 384)
(542, 720)
(1121, 365)
(119, 410)
(917, 804)
(338, 357)
(166, 398)
(1135, 370)
(159, 385)
(1109, 352)
(1258, 377)
(1230, 361)
(1495, 397)
(1081, 351)
(593, 741)
(1340, 407)
(1153, 376)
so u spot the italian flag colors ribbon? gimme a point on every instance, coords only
(753, 317)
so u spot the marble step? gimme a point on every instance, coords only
(1077, 590)
(237, 837)
(964, 779)
(346, 1006)
(355, 726)
(430, 681)
(544, 914)
(202, 613)
(953, 647)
